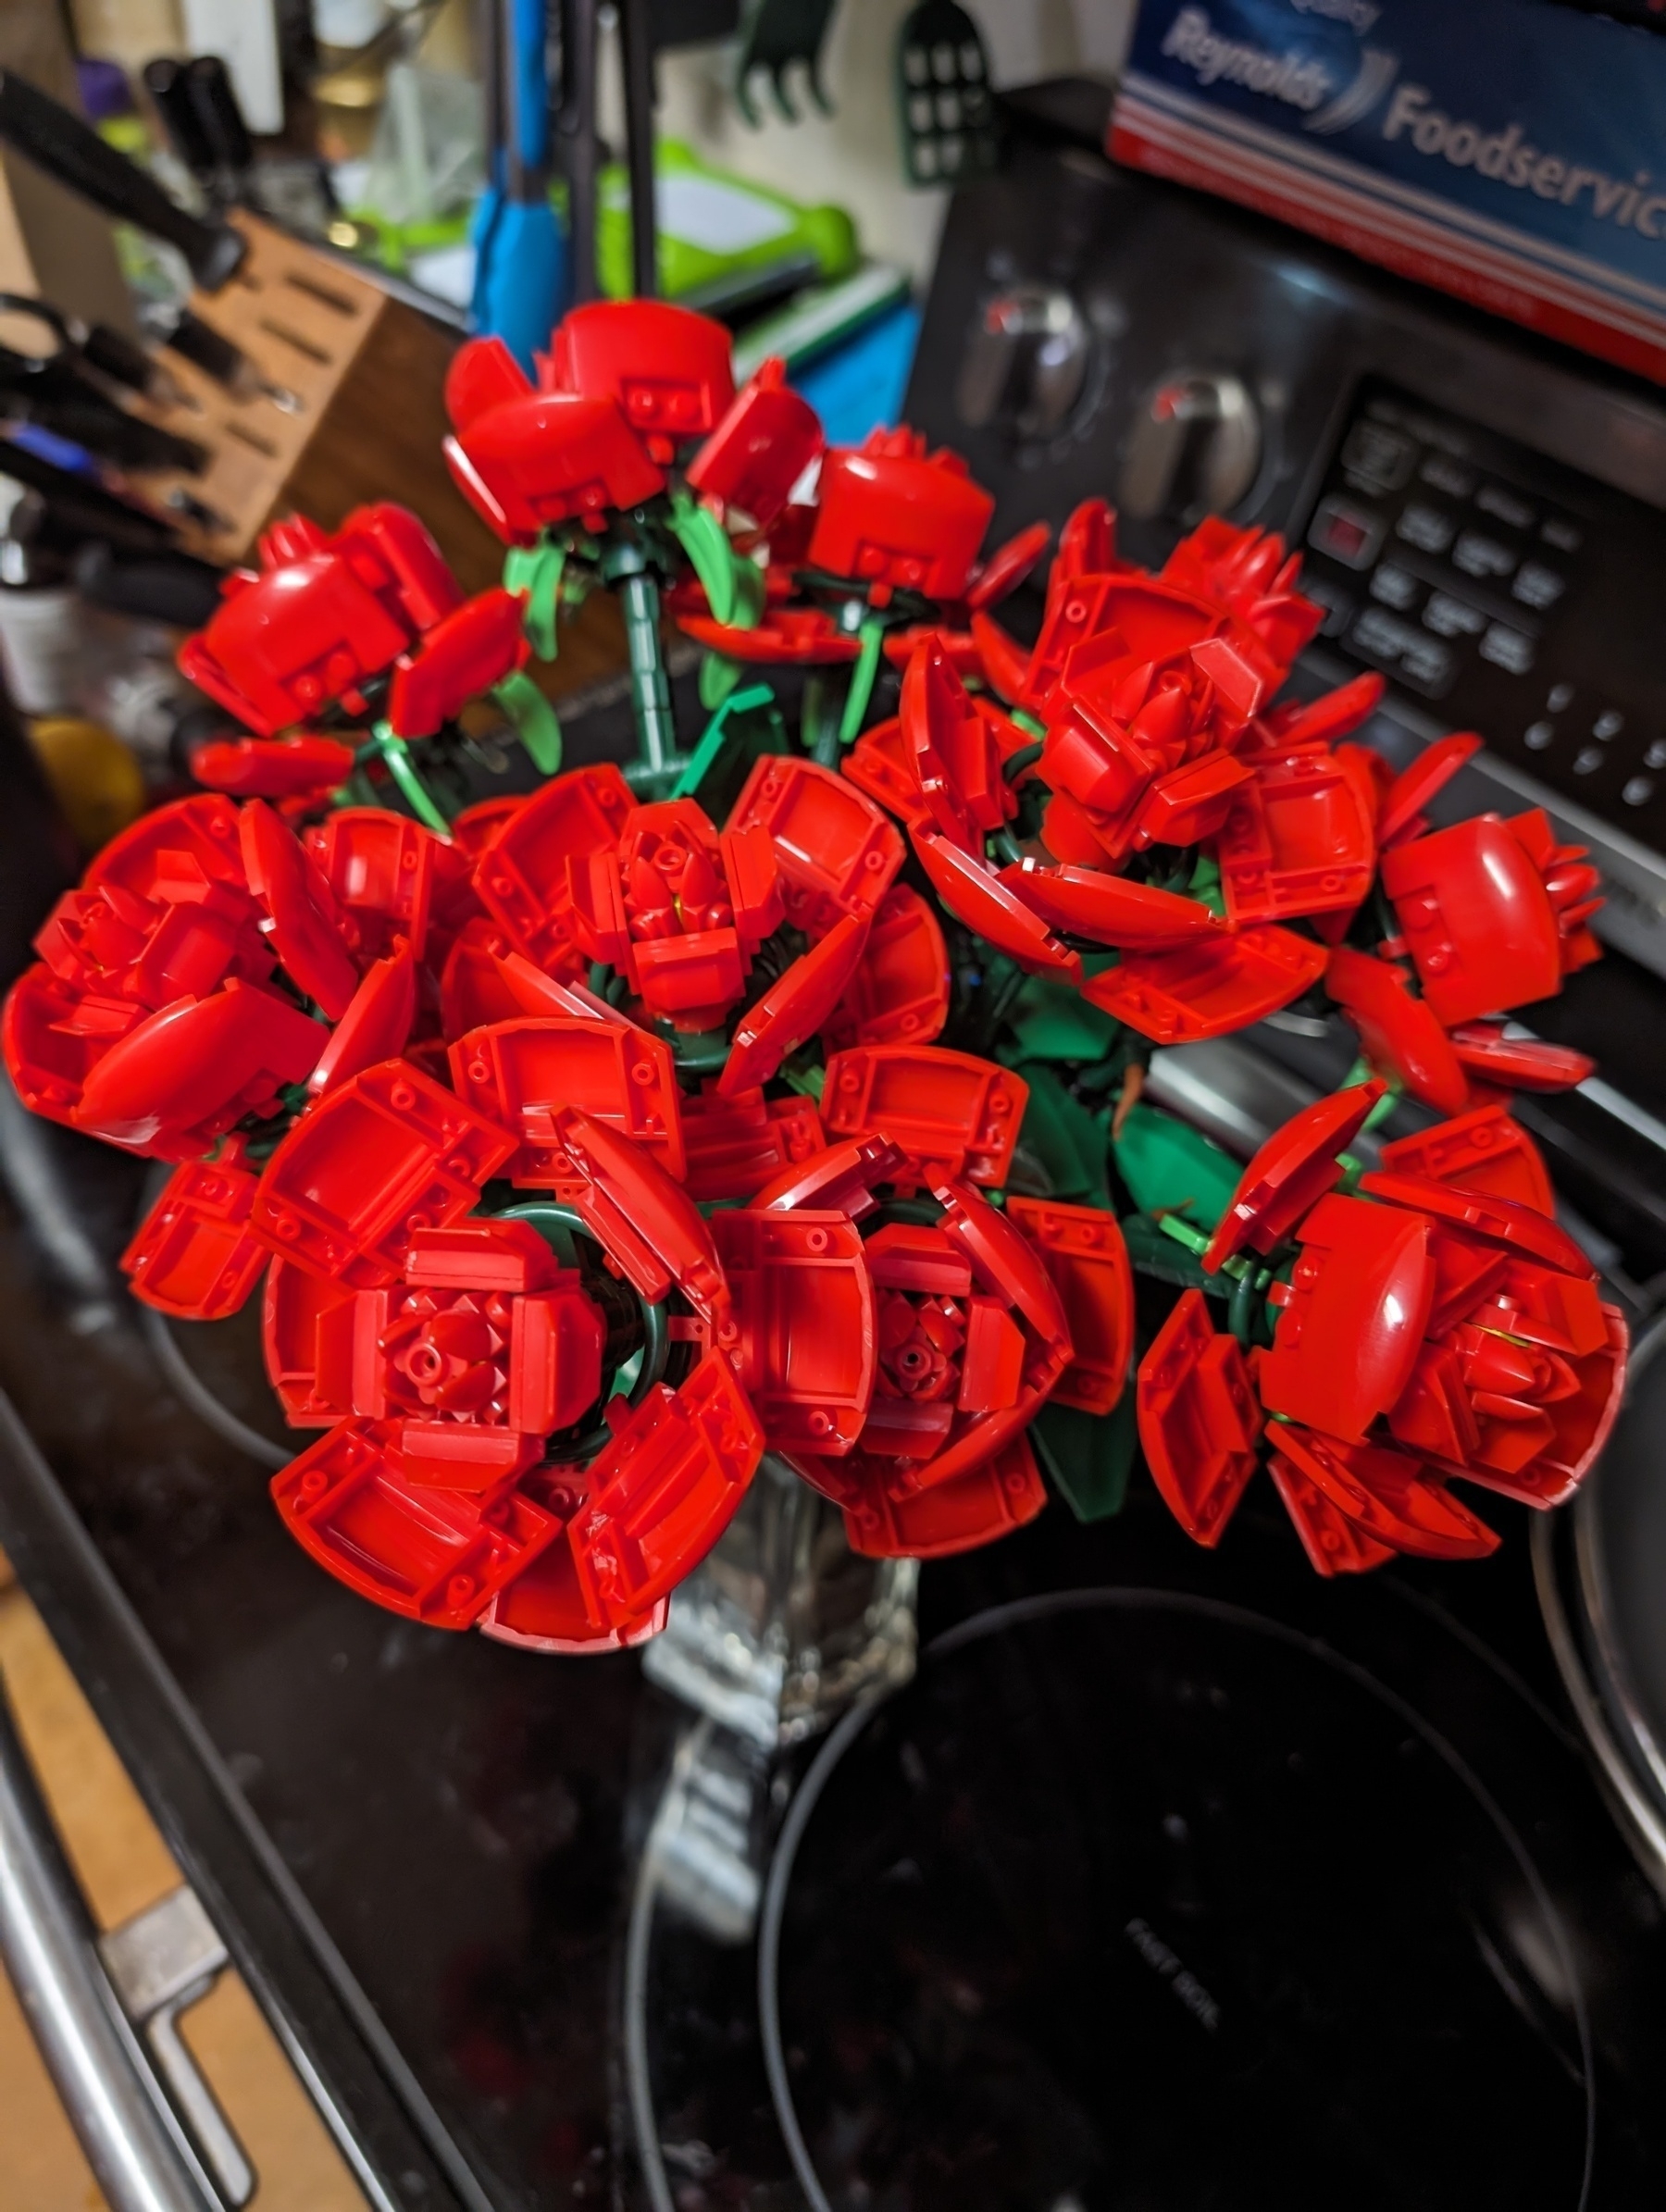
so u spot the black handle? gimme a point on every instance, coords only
(170, 87)
(207, 348)
(118, 356)
(66, 148)
(636, 39)
(220, 117)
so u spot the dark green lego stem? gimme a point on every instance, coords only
(626, 566)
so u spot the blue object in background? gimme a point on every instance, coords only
(859, 386)
(521, 274)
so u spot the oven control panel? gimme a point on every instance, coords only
(1509, 594)
(1483, 514)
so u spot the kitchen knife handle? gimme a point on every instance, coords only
(221, 118)
(169, 88)
(67, 148)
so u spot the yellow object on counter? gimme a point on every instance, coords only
(94, 777)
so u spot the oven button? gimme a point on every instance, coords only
(1637, 791)
(1609, 724)
(1538, 586)
(1506, 649)
(1380, 459)
(1426, 528)
(1558, 697)
(1394, 586)
(1589, 759)
(1655, 755)
(1346, 533)
(1477, 555)
(1452, 617)
(1492, 499)
(1539, 735)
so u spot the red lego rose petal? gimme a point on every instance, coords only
(643, 1220)
(1345, 1340)
(668, 369)
(376, 1025)
(1400, 1032)
(1479, 922)
(1484, 1151)
(266, 768)
(1084, 1253)
(977, 1508)
(836, 851)
(187, 1072)
(390, 1151)
(1299, 841)
(899, 993)
(306, 929)
(193, 1255)
(663, 1491)
(804, 1300)
(1008, 565)
(1334, 1545)
(1208, 988)
(472, 650)
(521, 1074)
(889, 514)
(522, 874)
(975, 895)
(1112, 910)
(1199, 1420)
(1428, 774)
(949, 1113)
(758, 452)
(427, 1553)
(1386, 1494)
(1292, 1171)
(791, 1011)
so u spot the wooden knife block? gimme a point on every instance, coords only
(367, 373)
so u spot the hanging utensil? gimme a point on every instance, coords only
(577, 126)
(775, 35)
(950, 128)
(636, 39)
(520, 268)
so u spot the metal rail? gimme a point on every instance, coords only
(100, 2061)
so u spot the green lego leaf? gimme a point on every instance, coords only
(402, 768)
(534, 718)
(1169, 1168)
(1052, 1020)
(1069, 1144)
(1088, 1456)
(733, 585)
(537, 570)
(718, 678)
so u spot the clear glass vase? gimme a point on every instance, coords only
(783, 1625)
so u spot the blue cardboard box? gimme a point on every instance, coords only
(1511, 151)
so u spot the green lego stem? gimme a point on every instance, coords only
(711, 744)
(397, 754)
(861, 680)
(650, 691)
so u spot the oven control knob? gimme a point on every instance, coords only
(1026, 362)
(1194, 449)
